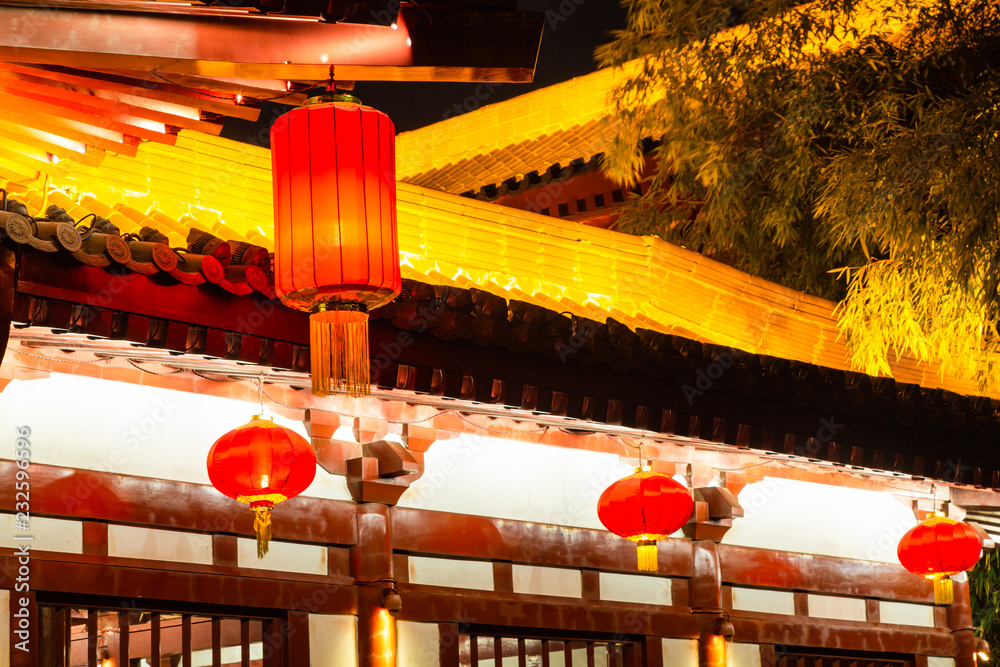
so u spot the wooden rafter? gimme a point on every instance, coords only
(148, 86)
(24, 84)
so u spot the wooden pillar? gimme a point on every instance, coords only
(960, 622)
(705, 591)
(371, 564)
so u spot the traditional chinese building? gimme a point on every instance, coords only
(533, 357)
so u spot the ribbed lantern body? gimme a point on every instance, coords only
(937, 548)
(336, 249)
(645, 507)
(261, 464)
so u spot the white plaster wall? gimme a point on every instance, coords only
(742, 655)
(417, 645)
(635, 588)
(49, 534)
(5, 627)
(939, 661)
(514, 480)
(165, 545)
(840, 608)
(474, 574)
(283, 557)
(905, 613)
(680, 653)
(534, 580)
(763, 600)
(803, 517)
(333, 640)
(152, 432)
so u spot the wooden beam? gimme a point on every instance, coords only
(86, 494)
(59, 126)
(85, 109)
(147, 85)
(462, 46)
(120, 105)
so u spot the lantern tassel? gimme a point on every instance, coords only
(338, 341)
(647, 556)
(262, 526)
(943, 589)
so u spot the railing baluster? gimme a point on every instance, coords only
(244, 642)
(498, 651)
(154, 639)
(216, 641)
(591, 660)
(123, 638)
(522, 653)
(186, 639)
(92, 638)
(474, 650)
(545, 653)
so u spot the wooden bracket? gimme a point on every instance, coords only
(383, 472)
(714, 510)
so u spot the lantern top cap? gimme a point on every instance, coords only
(644, 468)
(262, 417)
(332, 98)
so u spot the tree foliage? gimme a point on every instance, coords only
(984, 589)
(845, 148)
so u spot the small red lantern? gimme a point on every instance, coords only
(336, 253)
(937, 548)
(645, 507)
(261, 464)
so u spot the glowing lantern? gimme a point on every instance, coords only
(261, 464)
(645, 507)
(937, 548)
(336, 253)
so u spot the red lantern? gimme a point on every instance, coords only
(261, 464)
(937, 548)
(645, 507)
(336, 253)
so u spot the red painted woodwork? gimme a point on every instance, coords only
(445, 533)
(645, 507)
(838, 576)
(157, 503)
(939, 546)
(333, 167)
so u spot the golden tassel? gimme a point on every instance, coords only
(338, 343)
(262, 526)
(943, 590)
(647, 556)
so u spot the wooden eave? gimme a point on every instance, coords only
(476, 348)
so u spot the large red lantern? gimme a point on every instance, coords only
(261, 464)
(336, 252)
(937, 548)
(645, 507)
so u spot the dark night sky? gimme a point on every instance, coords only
(567, 50)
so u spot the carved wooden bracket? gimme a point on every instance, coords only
(714, 510)
(383, 472)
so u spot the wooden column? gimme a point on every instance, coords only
(705, 591)
(960, 622)
(371, 564)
